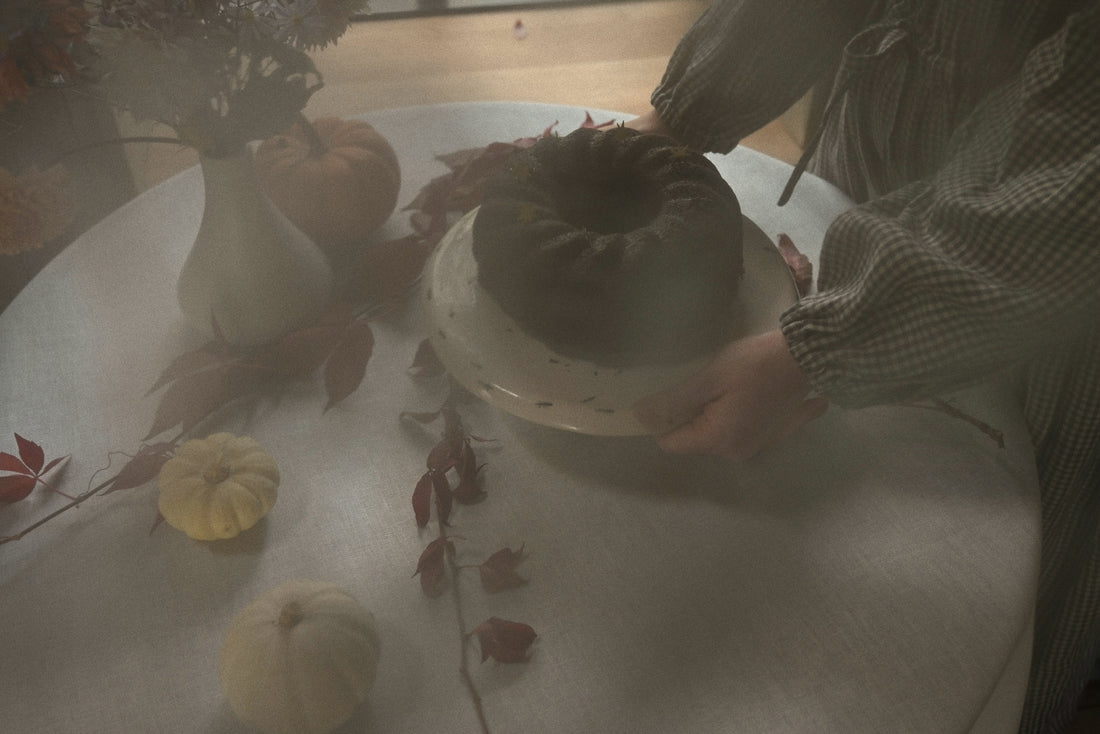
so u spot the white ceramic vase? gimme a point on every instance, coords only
(250, 270)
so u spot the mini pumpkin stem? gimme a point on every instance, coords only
(217, 473)
(317, 146)
(290, 615)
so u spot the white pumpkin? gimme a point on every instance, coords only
(218, 486)
(299, 659)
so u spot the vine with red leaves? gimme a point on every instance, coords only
(200, 383)
(26, 471)
(452, 477)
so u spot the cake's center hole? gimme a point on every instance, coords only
(616, 204)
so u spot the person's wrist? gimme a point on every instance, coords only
(786, 368)
(650, 122)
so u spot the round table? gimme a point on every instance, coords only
(875, 573)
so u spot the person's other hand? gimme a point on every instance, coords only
(752, 395)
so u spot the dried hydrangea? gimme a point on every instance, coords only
(39, 43)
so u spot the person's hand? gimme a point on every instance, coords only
(752, 395)
(650, 122)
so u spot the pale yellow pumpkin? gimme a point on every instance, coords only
(338, 185)
(300, 658)
(218, 486)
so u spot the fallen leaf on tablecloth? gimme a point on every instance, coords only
(442, 456)
(463, 187)
(444, 498)
(188, 362)
(345, 369)
(498, 572)
(422, 499)
(191, 398)
(469, 489)
(504, 641)
(25, 470)
(430, 566)
(303, 351)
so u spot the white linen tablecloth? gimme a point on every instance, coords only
(874, 574)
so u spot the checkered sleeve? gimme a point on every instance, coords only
(986, 265)
(744, 62)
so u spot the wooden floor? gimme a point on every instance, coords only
(607, 56)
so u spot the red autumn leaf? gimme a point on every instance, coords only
(15, 487)
(345, 369)
(27, 470)
(469, 490)
(10, 462)
(463, 187)
(458, 159)
(426, 362)
(504, 641)
(498, 572)
(191, 398)
(800, 266)
(422, 500)
(444, 500)
(302, 351)
(185, 364)
(430, 566)
(453, 429)
(51, 465)
(142, 468)
(31, 454)
(590, 123)
(442, 456)
(465, 459)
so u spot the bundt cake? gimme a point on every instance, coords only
(613, 246)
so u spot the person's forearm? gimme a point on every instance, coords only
(989, 264)
(744, 62)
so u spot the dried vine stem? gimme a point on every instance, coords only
(463, 637)
(75, 502)
(78, 499)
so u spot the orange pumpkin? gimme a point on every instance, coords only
(337, 180)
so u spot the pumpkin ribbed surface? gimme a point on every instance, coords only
(300, 658)
(217, 487)
(337, 188)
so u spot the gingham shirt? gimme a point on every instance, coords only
(969, 133)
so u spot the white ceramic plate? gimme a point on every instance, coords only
(490, 355)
